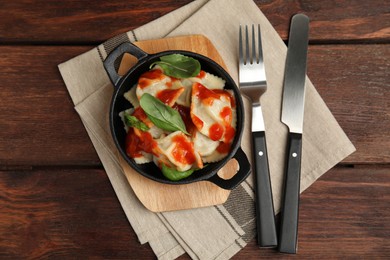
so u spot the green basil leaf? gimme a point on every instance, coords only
(134, 122)
(175, 175)
(161, 115)
(179, 66)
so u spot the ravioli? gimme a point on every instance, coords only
(209, 80)
(178, 149)
(204, 145)
(212, 114)
(159, 85)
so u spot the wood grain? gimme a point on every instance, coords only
(77, 21)
(354, 82)
(82, 22)
(63, 214)
(37, 120)
(59, 213)
(44, 129)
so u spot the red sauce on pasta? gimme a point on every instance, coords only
(201, 74)
(150, 76)
(140, 114)
(197, 121)
(207, 96)
(186, 116)
(183, 151)
(137, 141)
(223, 147)
(168, 96)
(216, 132)
(226, 115)
(229, 134)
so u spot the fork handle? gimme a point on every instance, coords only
(265, 220)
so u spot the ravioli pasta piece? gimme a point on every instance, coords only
(152, 82)
(159, 85)
(209, 80)
(156, 132)
(185, 97)
(169, 96)
(145, 158)
(211, 112)
(132, 97)
(122, 116)
(204, 145)
(178, 149)
(234, 110)
(213, 157)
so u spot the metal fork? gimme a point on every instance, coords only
(253, 84)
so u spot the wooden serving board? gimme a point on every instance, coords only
(158, 197)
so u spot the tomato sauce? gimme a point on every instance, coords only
(223, 147)
(225, 93)
(229, 133)
(183, 151)
(201, 74)
(216, 132)
(197, 121)
(148, 77)
(139, 113)
(185, 115)
(206, 95)
(226, 115)
(137, 142)
(169, 96)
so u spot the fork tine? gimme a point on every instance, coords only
(247, 57)
(254, 56)
(241, 51)
(260, 45)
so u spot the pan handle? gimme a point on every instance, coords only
(126, 47)
(243, 172)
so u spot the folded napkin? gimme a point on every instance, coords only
(216, 232)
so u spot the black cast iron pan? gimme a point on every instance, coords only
(123, 83)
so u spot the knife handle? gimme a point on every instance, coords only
(290, 206)
(265, 216)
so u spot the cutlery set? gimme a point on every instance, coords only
(253, 83)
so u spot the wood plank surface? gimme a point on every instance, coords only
(37, 120)
(44, 129)
(62, 213)
(83, 22)
(354, 82)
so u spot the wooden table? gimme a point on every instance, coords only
(55, 198)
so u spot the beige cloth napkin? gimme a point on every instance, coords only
(216, 232)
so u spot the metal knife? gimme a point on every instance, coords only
(292, 116)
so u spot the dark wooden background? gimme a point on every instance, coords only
(49, 171)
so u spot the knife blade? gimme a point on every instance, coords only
(292, 116)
